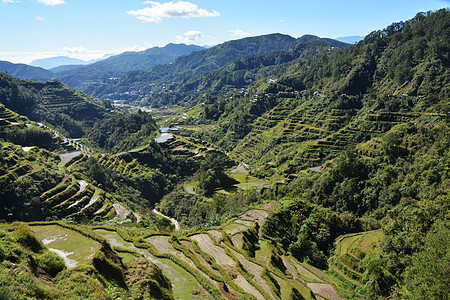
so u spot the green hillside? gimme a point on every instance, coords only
(268, 168)
(51, 102)
(26, 72)
(243, 71)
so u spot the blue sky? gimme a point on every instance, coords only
(89, 29)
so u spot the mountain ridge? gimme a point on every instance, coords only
(200, 62)
(128, 61)
(24, 71)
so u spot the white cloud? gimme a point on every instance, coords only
(40, 19)
(51, 2)
(239, 33)
(189, 37)
(180, 9)
(10, 1)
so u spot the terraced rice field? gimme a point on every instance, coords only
(208, 264)
(347, 264)
(71, 245)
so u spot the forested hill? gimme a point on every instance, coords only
(25, 71)
(200, 62)
(407, 60)
(125, 62)
(365, 135)
(244, 71)
(51, 102)
(409, 57)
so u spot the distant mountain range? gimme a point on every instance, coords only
(117, 65)
(53, 62)
(350, 39)
(76, 72)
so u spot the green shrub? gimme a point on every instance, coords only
(250, 241)
(108, 268)
(50, 263)
(295, 295)
(26, 238)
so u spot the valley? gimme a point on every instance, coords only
(267, 167)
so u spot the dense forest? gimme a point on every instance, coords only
(291, 168)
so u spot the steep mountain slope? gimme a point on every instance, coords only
(51, 102)
(125, 62)
(346, 96)
(245, 70)
(196, 63)
(25, 71)
(348, 140)
(408, 57)
(365, 136)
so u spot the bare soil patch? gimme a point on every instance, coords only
(217, 235)
(324, 289)
(237, 240)
(246, 286)
(289, 267)
(121, 210)
(304, 272)
(319, 273)
(272, 206)
(246, 223)
(254, 270)
(162, 244)
(234, 228)
(206, 244)
(200, 258)
(256, 214)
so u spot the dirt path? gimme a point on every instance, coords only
(172, 220)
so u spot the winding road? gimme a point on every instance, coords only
(172, 220)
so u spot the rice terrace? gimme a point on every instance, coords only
(223, 150)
